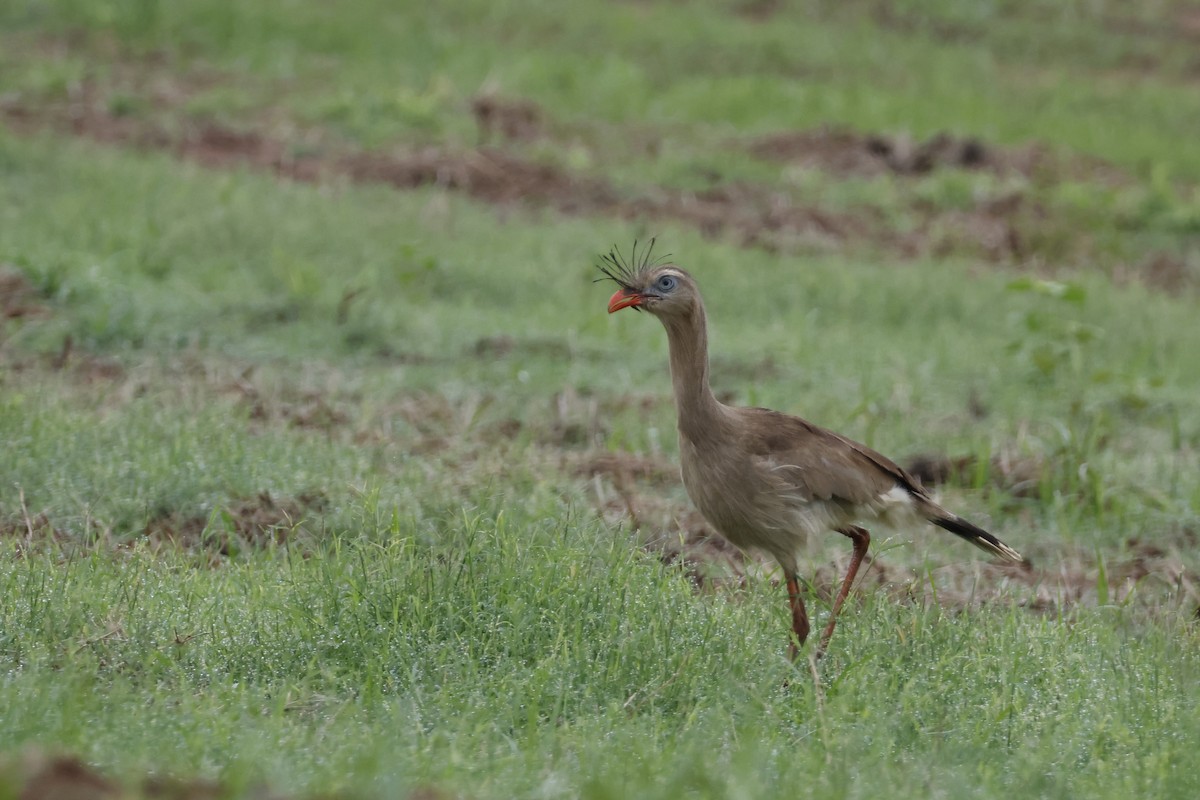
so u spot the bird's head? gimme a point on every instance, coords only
(647, 283)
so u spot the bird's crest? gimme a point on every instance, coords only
(625, 271)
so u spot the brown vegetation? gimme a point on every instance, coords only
(35, 775)
(844, 152)
(1007, 228)
(18, 297)
(251, 522)
(244, 523)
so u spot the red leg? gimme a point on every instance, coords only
(861, 540)
(799, 615)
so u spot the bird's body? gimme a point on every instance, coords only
(767, 480)
(783, 480)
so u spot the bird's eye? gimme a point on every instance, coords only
(666, 283)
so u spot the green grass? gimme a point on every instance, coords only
(649, 95)
(455, 613)
(375, 67)
(500, 652)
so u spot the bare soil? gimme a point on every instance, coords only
(245, 523)
(844, 152)
(1169, 272)
(18, 296)
(36, 775)
(1007, 229)
(513, 119)
(87, 368)
(297, 408)
(60, 778)
(250, 522)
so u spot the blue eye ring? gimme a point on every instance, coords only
(666, 283)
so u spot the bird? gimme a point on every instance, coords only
(766, 480)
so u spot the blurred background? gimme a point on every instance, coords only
(305, 377)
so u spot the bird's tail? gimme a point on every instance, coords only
(978, 537)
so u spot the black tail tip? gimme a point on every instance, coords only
(981, 539)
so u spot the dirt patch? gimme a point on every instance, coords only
(252, 522)
(87, 368)
(1003, 229)
(218, 146)
(487, 174)
(512, 119)
(246, 523)
(1169, 272)
(88, 111)
(841, 151)
(844, 152)
(1147, 577)
(60, 778)
(755, 215)
(1013, 228)
(29, 531)
(625, 470)
(35, 775)
(18, 296)
(306, 409)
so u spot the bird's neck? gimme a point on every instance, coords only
(701, 416)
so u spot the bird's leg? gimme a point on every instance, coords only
(799, 615)
(861, 540)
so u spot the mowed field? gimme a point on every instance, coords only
(324, 473)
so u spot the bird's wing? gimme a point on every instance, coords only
(818, 464)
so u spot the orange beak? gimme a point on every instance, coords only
(623, 298)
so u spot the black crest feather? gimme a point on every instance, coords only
(625, 271)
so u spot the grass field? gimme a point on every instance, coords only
(325, 473)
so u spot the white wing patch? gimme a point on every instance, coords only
(894, 507)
